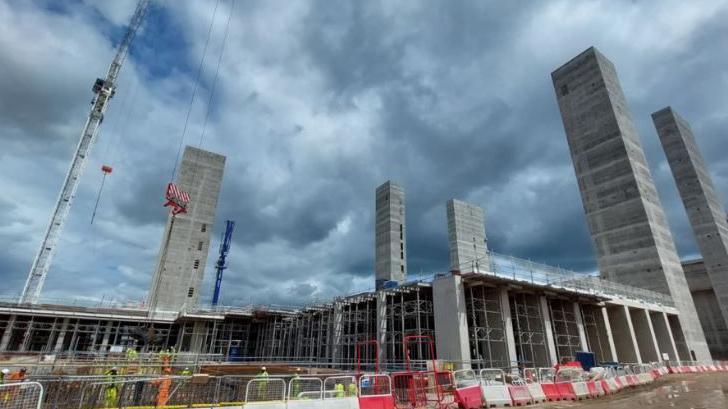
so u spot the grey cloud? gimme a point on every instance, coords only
(317, 104)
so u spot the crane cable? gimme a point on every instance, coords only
(194, 91)
(207, 115)
(217, 71)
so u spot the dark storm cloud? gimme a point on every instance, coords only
(317, 104)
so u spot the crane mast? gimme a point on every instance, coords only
(104, 90)
(221, 265)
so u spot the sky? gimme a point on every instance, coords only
(315, 104)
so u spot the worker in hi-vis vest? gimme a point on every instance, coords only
(262, 378)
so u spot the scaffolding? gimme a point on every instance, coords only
(409, 311)
(486, 327)
(595, 328)
(528, 331)
(565, 329)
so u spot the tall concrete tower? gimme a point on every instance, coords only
(186, 239)
(704, 208)
(466, 234)
(390, 239)
(627, 223)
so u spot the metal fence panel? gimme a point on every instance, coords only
(340, 387)
(375, 385)
(265, 390)
(21, 395)
(300, 388)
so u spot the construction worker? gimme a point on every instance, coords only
(164, 386)
(339, 389)
(131, 354)
(186, 372)
(352, 390)
(296, 384)
(263, 382)
(6, 395)
(111, 392)
(164, 357)
(172, 354)
(18, 376)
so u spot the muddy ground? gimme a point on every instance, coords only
(679, 391)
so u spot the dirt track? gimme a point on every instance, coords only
(689, 391)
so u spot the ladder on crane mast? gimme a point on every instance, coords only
(104, 90)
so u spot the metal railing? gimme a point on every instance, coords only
(514, 268)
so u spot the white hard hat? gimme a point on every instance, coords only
(5, 371)
(263, 368)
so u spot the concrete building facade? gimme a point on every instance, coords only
(628, 226)
(493, 320)
(466, 236)
(390, 235)
(706, 302)
(185, 243)
(705, 211)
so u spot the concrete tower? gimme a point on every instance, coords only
(627, 223)
(466, 234)
(186, 239)
(390, 235)
(705, 211)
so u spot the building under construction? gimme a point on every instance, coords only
(489, 311)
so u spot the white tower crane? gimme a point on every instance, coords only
(104, 90)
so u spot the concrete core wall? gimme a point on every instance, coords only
(626, 220)
(451, 325)
(390, 235)
(186, 240)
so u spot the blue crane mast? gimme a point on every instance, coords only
(220, 265)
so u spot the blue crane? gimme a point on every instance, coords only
(220, 265)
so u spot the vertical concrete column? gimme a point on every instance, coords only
(580, 327)
(548, 329)
(451, 325)
(632, 336)
(199, 337)
(610, 336)
(382, 325)
(508, 326)
(626, 342)
(107, 334)
(338, 330)
(645, 341)
(658, 351)
(61, 336)
(663, 336)
(5, 340)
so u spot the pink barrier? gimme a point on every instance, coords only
(520, 395)
(470, 397)
(566, 390)
(551, 391)
(376, 402)
(592, 387)
(606, 388)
